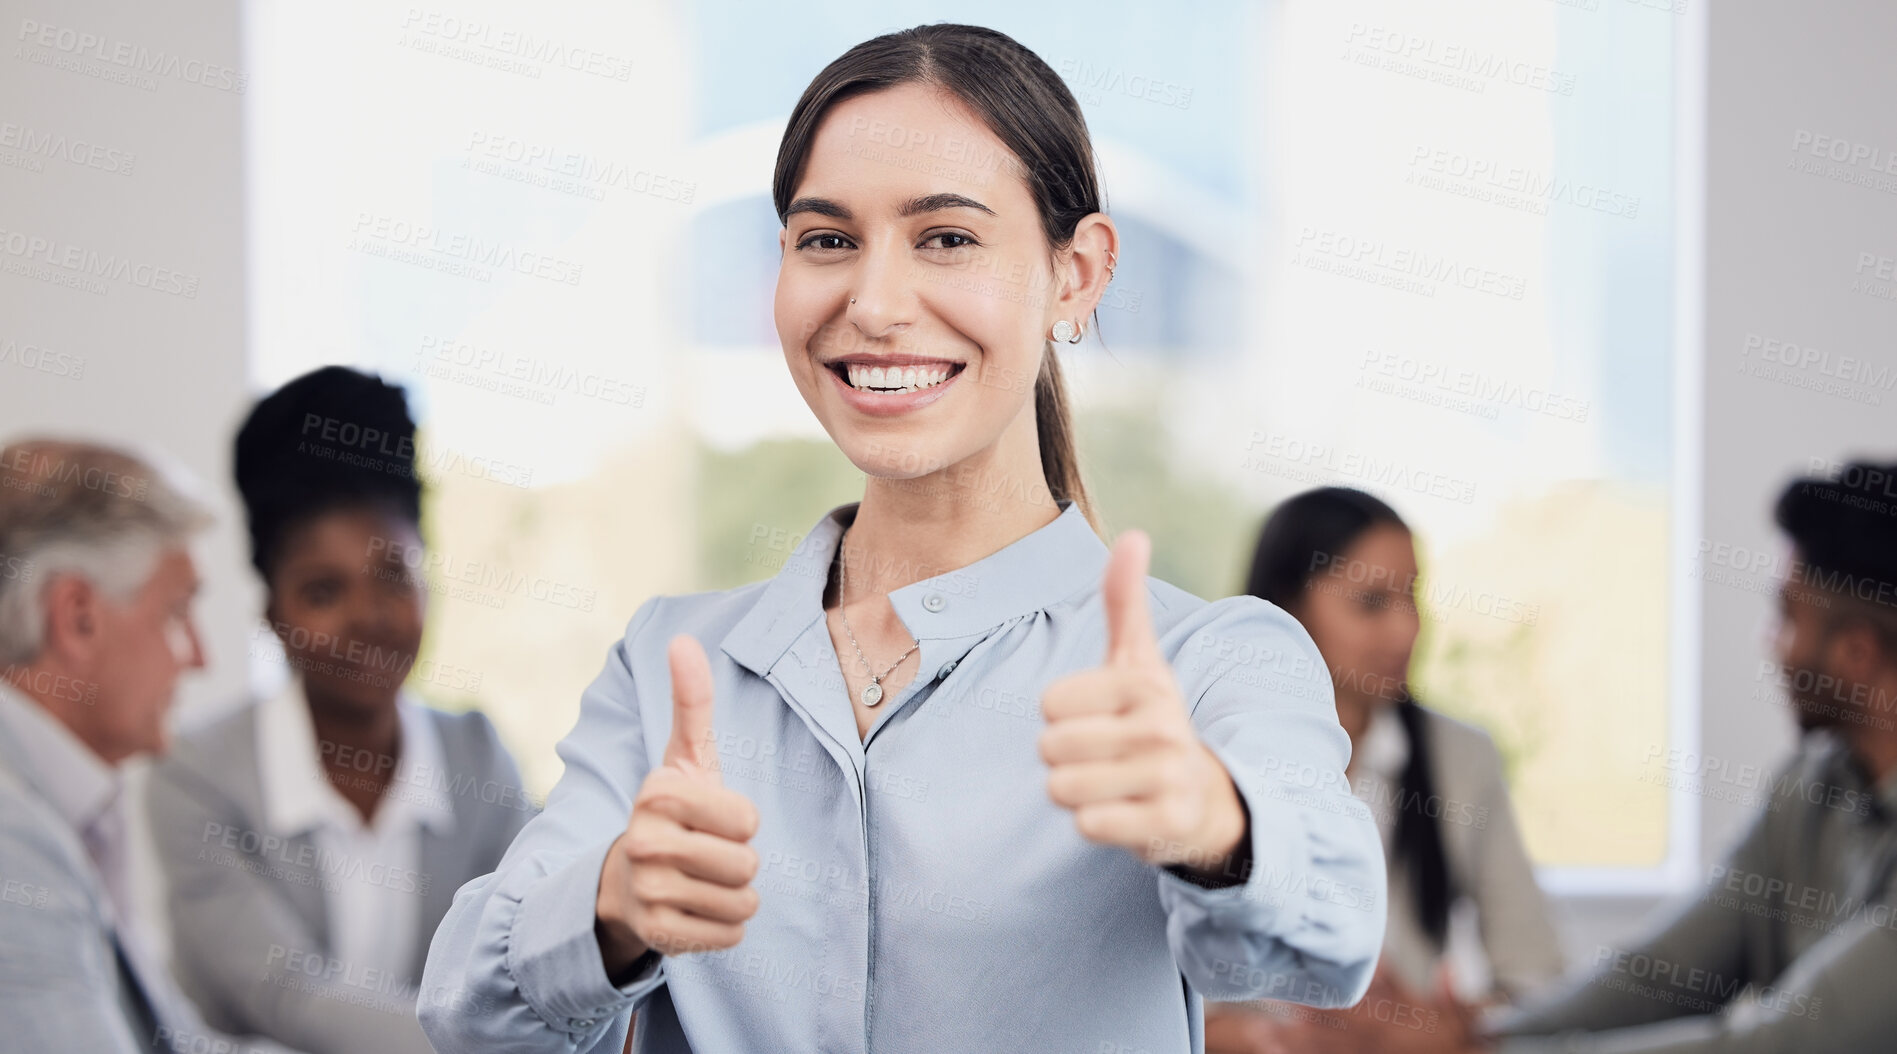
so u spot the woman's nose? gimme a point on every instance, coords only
(882, 297)
(373, 616)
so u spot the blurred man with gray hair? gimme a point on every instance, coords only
(96, 585)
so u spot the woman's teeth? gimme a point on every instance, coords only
(900, 380)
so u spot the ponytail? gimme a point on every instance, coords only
(1054, 426)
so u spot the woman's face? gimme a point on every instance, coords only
(909, 204)
(347, 606)
(1360, 609)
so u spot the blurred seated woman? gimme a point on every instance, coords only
(1344, 564)
(313, 841)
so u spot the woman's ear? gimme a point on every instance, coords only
(1086, 267)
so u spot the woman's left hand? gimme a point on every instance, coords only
(1121, 750)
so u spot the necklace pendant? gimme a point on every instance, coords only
(872, 694)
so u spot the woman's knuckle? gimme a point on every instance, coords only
(1060, 787)
(649, 886)
(642, 846)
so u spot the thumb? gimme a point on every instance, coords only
(1129, 623)
(690, 745)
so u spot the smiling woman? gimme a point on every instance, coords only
(824, 834)
(940, 203)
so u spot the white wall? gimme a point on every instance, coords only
(1780, 249)
(158, 367)
(155, 367)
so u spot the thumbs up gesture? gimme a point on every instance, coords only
(678, 879)
(1120, 747)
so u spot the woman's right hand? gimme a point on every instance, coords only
(678, 879)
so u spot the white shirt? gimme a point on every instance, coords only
(1386, 747)
(374, 898)
(1377, 781)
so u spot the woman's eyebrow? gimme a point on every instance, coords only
(914, 206)
(937, 202)
(820, 206)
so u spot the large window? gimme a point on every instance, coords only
(1468, 306)
(1428, 254)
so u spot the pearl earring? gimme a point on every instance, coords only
(1066, 331)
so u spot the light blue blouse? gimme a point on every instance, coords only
(919, 892)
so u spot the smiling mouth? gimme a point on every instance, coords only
(895, 380)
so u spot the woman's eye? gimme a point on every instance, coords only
(948, 240)
(823, 242)
(319, 593)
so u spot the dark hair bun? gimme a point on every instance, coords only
(332, 438)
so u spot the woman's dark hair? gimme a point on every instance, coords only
(332, 439)
(1305, 534)
(1029, 108)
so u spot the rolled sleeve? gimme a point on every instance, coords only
(1306, 925)
(553, 953)
(515, 965)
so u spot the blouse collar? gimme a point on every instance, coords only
(1032, 573)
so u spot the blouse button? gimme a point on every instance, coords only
(934, 602)
(947, 668)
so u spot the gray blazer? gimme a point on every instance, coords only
(65, 984)
(248, 913)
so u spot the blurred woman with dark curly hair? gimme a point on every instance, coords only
(314, 840)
